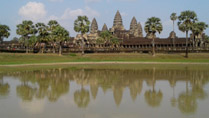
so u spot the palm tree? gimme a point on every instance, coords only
(42, 34)
(81, 25)
(198, 29)
(186, 21)
(61, 34)
(4, 32)
(173, 18)
(106, 35)
(52, 38)
(32, 41)
(115, 42)
(26, 30)
(152, 26)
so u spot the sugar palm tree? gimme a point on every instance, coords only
(152, 26)
(106, 35)
(81, 25)
(173, 17)
(186, 21)
(4, 32)
(43, 34)
(26, 30)
(52, 38)
(61, 34)
(198, 29)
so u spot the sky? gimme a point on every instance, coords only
(13, 12)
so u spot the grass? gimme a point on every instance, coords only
(14, 58)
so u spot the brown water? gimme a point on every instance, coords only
(61, 92)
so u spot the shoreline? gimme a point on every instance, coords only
(103, 63)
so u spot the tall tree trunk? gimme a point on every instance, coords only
(174, 36)
(27, 46)
(82, 45)
(42, 49)
(54, 48)
(153, 46)
(60, 49)
(186, 44)
(173, 26)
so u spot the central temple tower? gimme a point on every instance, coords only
(118, 22)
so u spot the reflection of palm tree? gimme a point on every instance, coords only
(187, 103)
(58, 88)
(4, 88)
(153, 98)
(25, 92)
(173, 84)
(197, 89)
(82, 98)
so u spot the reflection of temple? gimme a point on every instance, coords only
(54, 83)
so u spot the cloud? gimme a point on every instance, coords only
(34, 107)
(72, 14)
(33, 11)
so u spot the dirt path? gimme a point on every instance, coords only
(97, 63)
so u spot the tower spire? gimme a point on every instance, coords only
(94, 26)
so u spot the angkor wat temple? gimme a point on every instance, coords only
(131, 40)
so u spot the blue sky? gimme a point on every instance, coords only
(12, 12)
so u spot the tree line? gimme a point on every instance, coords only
(54, 33)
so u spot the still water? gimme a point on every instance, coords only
(85, 92)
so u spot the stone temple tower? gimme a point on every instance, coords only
(135, 28)
(118, 22)
(140, 31)
(94, 26)
(104, 28)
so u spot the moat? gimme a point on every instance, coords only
(106, 91)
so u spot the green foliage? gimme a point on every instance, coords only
(198, 28)
(52, 25)
(115, 41)
(106, 35)
(32, 40)
(173, 17)
(100, 40)
(81, 24)
(43, 34)
(26, 30)
(186, 20)
(4, 32)
(153, 25)
(61, 34)
(206, 38)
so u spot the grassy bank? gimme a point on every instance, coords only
(12, 59)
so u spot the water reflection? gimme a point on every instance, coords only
(55, 83)
(4, 87)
